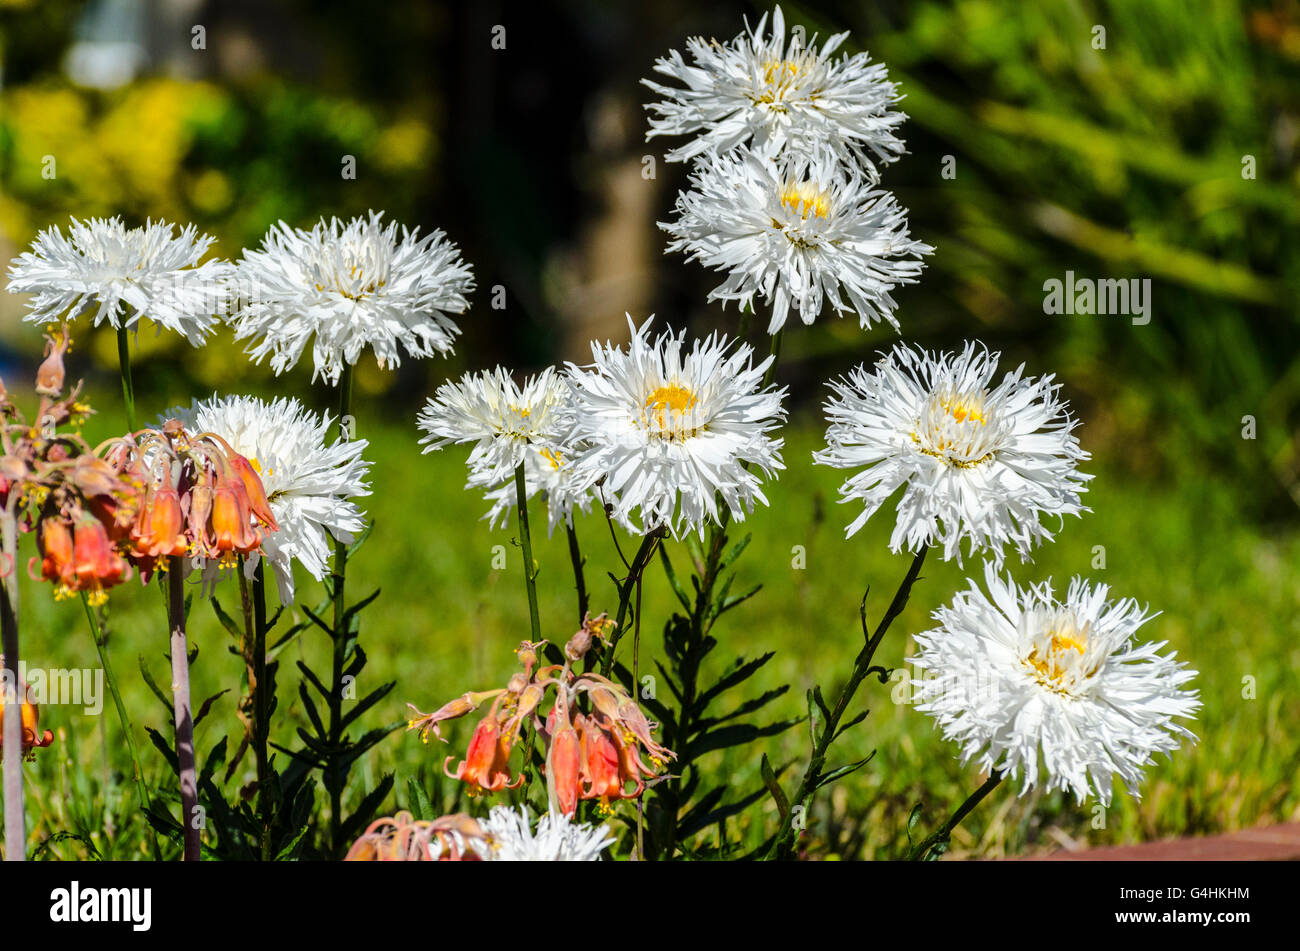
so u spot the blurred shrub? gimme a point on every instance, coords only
(1122, 162)
(231, 160)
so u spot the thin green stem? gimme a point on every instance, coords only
(625, 591)
(579, 576)
(687, 667)
(935, 844)
(342, 638)
(526, 544)
(124, 369)
(783, 844)
(101, 646)
(636, 698)
(775, 351)
(253, 649)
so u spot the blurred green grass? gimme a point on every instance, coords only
(447, 622)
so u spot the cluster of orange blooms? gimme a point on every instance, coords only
(135, 501)
(403, 838)
(590, 754)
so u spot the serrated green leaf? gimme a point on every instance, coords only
(739, 671)
(673, 581)
(418, 801)
(841, 771)
(235, 630)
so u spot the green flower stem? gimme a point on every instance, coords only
(342, 638)
(783, 844)
(124, 369)
(254, 650)
(182, 709)
(626, 589)
(15, 818)
(579, 577)
(100, 638)
(775, 351)
(526, 543)
(687, 668)
(936, 843)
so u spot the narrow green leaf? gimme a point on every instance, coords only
(774, 787)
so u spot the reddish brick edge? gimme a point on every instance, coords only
(1266, 843)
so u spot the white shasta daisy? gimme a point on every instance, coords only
(978, 461)
(103, 264)
(309, 483)
(511, 837)
(797, 233)
(779, 94)
(503, 420)
(668, 431)
(1056, 690)
(343, 287)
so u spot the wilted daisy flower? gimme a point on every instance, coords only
(102, 263)
(1016, 672)
(547, 470)
(512, 838)
(667, 431)
(502, 419)
(779, 94)
(796, 232)
(309, 481)
(343, 287)
(978, 461)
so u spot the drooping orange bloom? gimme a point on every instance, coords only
(97, 563)
(486, 767)
(33, 738)
(604, 779)
(159, 530)
(254, 491)
(564, 762)
(232, 520)
(55, 543)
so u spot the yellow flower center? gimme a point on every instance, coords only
(778, 71)
(1059, 657)
(553, 457)
(671, 397)
(954, 427)
(806, 199)
(963, 410)
(349, 289)
(665, 413)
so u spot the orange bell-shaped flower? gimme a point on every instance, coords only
(55, 537)
(232, 523)
(160, 526)
(254, 490)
